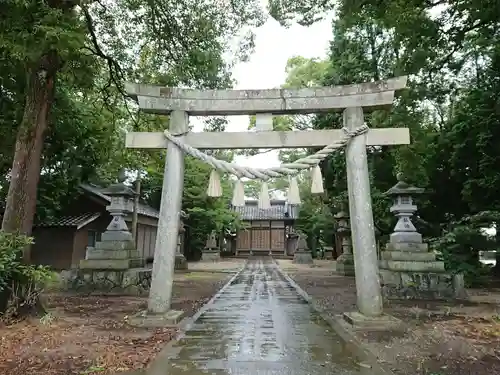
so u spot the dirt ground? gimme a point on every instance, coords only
(441, 338)
(90, 335)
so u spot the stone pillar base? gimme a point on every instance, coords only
(146, 319)
(180, 262)
(210, 256)
(345, 265)
(358, 321)
(303, 257)
(398, 284)
(328, 254)
(409, 271)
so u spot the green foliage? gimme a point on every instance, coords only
(20, 283)
(461, 243)
(206, 214)
(315, 218)
(11, 247)
(304, 12)
(473, 134)
(30, 28)
(302, 72)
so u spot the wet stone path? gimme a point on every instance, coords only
(258, 325)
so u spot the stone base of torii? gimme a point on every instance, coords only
(351, 99)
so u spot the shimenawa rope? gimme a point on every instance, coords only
(287, 169)
(266, 173)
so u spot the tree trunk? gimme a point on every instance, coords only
(21, 199)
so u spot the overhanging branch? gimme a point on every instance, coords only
(116, 74)
(115, 71)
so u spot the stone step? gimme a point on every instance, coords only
(407, 246)
(93, 253)
(115, 235)
(111, 264)
(408, 256)
(411, 266)
(247, 255)
(260, 252)
(115, 245)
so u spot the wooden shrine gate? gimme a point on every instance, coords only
(262, 237)
(265, 231)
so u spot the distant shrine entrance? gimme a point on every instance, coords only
(265, 231)
(352, 100)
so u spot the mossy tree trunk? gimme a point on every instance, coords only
(25, 173)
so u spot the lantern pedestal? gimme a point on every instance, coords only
(292, 240)
(410, 271)
(407, 269)
(181, 263)
(405, 237)
(113, 266)
(116, 250)
(302, 255)
(211, 252)
(210, 255)
(345, 265)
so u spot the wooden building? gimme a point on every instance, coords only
(266, 230)
(62, 242)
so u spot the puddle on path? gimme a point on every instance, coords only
(258, 325)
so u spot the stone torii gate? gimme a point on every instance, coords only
(351, 99)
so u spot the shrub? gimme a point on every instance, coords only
(460, 246)
(20, 284)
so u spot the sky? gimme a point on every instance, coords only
(274, 45)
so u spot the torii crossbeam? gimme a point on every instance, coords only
(180, 103)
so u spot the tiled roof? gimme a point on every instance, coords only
(143, 209)
(277, 211)
(78, 221)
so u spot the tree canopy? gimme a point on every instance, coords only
(64, 111)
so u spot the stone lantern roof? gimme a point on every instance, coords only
(119, 189)
(403, 188)
(341, 215)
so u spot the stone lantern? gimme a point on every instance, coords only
(345, 262)
(121, 196)
(180, 260)
(303, 254)
(211, 251)
(403, 207)
(116, 250)
(292, 239)
(408, 269)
